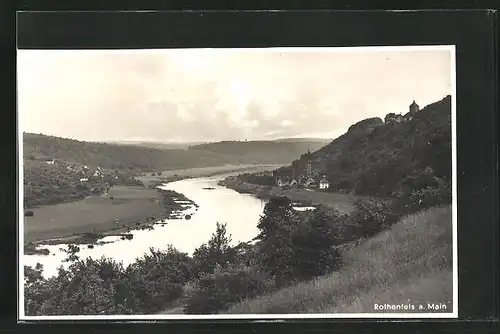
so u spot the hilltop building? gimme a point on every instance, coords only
(414, 108)
(393, 118)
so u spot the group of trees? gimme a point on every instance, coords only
(257, 178)
(51, 184)
(46, 184)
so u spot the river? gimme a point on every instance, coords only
(241, 212)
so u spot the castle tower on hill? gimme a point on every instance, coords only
(414, 107)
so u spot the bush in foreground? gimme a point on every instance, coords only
(372, 216)
(214, 292)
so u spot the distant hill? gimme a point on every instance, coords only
(112, 156)
(145, 158)
(158, 145)
(272, 151)
(375, 157)
(303, 140)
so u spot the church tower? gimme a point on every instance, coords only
(309, 164)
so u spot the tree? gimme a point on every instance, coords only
(313, 243)
(217, 251)
(273, 241)
(156, 279)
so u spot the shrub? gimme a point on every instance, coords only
(86, 287)
(211, 293)
(428, 197)
(372, 216)
(157, 278)
(423, 196)
(29, 213)
(313, 244)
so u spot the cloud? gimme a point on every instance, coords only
(213, 94)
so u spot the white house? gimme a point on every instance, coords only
(324, 184)
(84, 179)
(50, 162)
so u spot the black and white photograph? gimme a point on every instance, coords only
(243, 183)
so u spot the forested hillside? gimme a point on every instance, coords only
(377, 158)
(273, 151)
(115, 156)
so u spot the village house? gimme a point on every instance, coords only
(50, 162)
(84, 179)
(323, 183)
(280, 182)
(309, 183)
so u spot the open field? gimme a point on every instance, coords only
(410, 264)
(93, 214)
(341, 202)
(178, 174)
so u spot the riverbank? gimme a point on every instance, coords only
(121, 210)
(181, 174)
(341, 202)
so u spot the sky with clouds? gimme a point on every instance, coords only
(213, 94)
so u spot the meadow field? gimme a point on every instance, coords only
(123, 204)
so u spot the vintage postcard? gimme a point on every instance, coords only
(238, 183)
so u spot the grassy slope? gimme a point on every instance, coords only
(411, 261)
